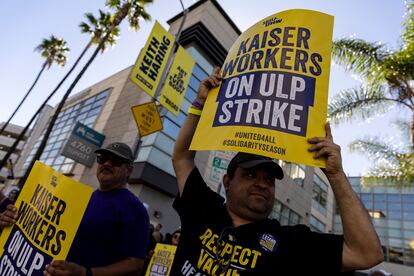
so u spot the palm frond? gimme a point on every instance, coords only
(53, 49)
(375, 149)
(358, 103)
(408, 27)
(364, 58)
(401, 175)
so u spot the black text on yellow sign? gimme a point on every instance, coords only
(147, 118)
(275, 85)
(173, 92)
(153, 59)
(50, 208)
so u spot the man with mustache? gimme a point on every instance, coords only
(236, 237)
(113, 234)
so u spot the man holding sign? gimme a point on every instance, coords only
(237, 238)
(113, 234)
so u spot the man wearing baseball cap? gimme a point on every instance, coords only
(113, 234)
(236, 237)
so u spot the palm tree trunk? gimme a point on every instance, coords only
(412, 131)
(59, 108)
(24, 98)
(14, 146)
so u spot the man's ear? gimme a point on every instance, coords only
(130, 168)
(226, 182)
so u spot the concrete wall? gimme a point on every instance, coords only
(208, 14)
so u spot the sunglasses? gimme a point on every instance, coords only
(176, 236)
(115, 161)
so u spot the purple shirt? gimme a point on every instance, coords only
(114, 227)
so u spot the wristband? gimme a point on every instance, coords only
(194, 111)
(88, 272)
(197, 105)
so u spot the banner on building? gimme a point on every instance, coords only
(161, 261)
(50, 208)
(274, 92)
(147, 118)
(153, 59)
(173, 92)
(82, 143)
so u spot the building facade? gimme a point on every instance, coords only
(208, 33)
(7, 139)
(392, 213)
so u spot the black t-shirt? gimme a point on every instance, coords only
(209, 244)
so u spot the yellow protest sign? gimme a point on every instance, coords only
(50, 208)
(152, 59)
(147, 118)
(177, 80)
(161, 262)
(274, 92)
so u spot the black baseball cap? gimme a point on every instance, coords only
(119, 149)
(247, 160)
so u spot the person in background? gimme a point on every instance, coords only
(176, 237)
(157, 233)
(113, 234)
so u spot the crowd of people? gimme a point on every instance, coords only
(217, 237)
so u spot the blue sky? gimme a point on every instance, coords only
(24, 26)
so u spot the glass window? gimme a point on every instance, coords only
(394, 232)
(190, 94)
(161, 160)
(179, 119)
(408, 207)
(295, 171)
(408, 224)
(164, 143)
(294, 218)
(81, 117)
(149, 139)
(200, 59)
(394, 198)
(89, 101)
(394, 215)
(379, 197)
(320, 194)
(409, 234)
(90, 120)
(199, 73)
(85, 108)
(366, 197)
(369, 205)
(62, 130)
(194, 83)
(380, 206)
(53, 153)
(408, 198)
(316, 224)
(185, 105)
(66, 168)
(98, 103)
(170, 128)
(93, 112)
(102, 94)
(394, 206)
(143, 154)
(408, 216)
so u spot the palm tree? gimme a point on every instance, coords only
(133, 10)
(53, 50)
(97, 28)
(393, 166)
(387, 76)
